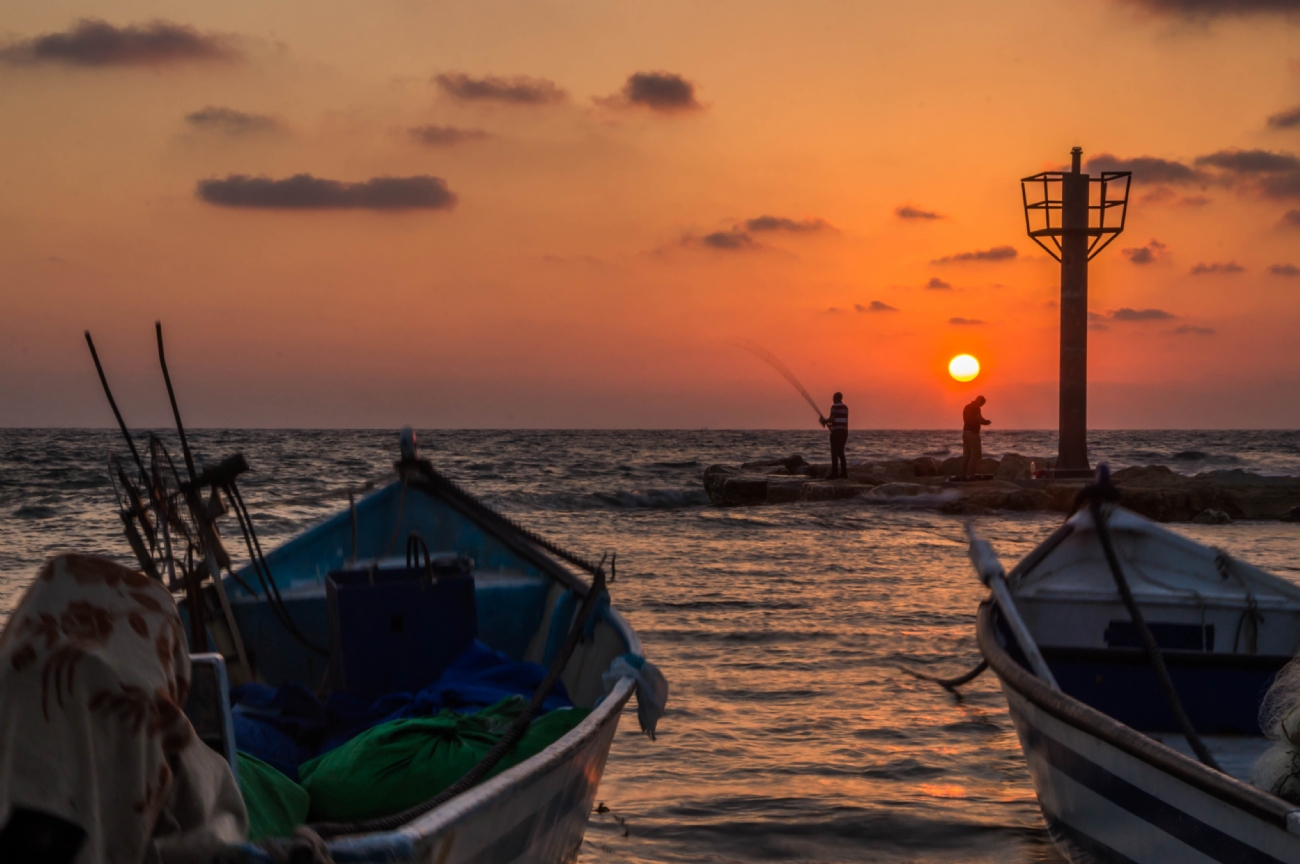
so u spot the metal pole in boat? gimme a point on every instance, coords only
(994, 576)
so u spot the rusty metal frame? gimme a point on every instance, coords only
(1102, 234)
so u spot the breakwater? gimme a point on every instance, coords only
(1155, 491)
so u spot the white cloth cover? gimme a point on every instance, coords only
(94, 669)
(651, 687)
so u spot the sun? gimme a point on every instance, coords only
(964, 367)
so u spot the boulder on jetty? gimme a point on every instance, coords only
(1155, 491)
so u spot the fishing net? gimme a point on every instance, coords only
(1278, 770)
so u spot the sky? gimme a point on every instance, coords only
(499, 214)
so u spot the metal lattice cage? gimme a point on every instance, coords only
(1044, 204)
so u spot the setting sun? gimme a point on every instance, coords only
(964, 367)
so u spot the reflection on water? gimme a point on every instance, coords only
(791, 733)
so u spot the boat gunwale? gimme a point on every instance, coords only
(1089, 720)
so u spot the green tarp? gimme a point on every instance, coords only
(276, 804)
(399, 764)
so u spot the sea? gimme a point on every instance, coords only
(793, 730)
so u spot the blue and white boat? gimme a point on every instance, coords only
(526, 593)
(1115, 775)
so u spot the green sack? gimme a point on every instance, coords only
(399, 764)
(276, 804)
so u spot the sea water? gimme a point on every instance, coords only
(792, 733)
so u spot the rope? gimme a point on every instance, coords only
(501, 748)
(950, 683)
(1095, 495)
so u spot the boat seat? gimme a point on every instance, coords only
(208, 706)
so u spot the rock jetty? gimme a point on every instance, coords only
(1214, 498)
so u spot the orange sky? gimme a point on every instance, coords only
(595, 269)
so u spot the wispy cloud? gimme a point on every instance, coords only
(732, 239)
(1288, 119)
(1290, 219)
(1147, 169)
(516, 90)
(875, 306)
(997, 253)
(1127, 314)
(305, 192)
(965, 322)
(1145, 254)
(231, 122)
(93, 42)
(1218, 268)
(907, 211)
(1287, 270)
(781, 223)
(1274, 175)
(937, 284)
(444, 136)
(665, 92)
(1167, 196)
(1217, 8)
(1192, 330)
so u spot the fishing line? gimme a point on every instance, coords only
(768, 357)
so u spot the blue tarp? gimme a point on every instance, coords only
(287, 726)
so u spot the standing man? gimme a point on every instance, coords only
(839, 426)
(971, 452)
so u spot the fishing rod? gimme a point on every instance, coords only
(768, 357)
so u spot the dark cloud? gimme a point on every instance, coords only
(937, 284)
(518, 90)
(658, 91)
(907, 211)
(305, 192)
(1291, 218)
(231, 121)
(834, 310)
(965, 322)
(1217, 268)
(1146, 169)
(1288, 119)
(780, 223)
(997, 253)
(91, 42)
(728, 240)
(1284, 270)
(1216, 8)
(1250, 161)
(1192, 330)
(444, 136)
(875, 306)
(1126, 314)
(1144, 254)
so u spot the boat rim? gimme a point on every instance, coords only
(1125, 738)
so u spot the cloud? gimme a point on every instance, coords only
(518, 90)
(1284, 270)
(666, 92)
(444, 136)
(1215, 8)
(965, 322)
(231, 122)
(875, 306)
(1165, 195)
(1144, 254)
(1192, 330)
(1288, 119)
(1250, 161)
(732, 239)
(937, 284)
(907, 211)
(1146, 169)
(997, 253)
(305, 192)
(1291, 218)
(1217, 268)
(780, 223)
(93, 42)
(1126, 314)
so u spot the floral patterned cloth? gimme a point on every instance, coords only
(94, 671)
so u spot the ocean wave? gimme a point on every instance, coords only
(635, 499)
(35, 511)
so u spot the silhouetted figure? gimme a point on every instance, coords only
(971, 452)
(838, 423)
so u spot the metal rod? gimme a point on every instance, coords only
(176, 412)
(112, 403)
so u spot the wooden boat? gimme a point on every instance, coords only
(535, 811)
(1115, 777)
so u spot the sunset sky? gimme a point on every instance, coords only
(545, 214)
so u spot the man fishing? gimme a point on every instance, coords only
(838, 423)
(971, 452)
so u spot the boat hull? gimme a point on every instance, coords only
(1109, 793)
